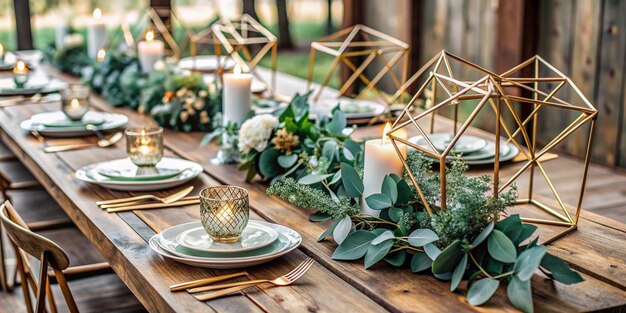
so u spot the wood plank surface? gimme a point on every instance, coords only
(595, 249)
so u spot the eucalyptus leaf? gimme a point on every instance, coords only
(390, 188)
(313, 179)
(483, 235)
(405, 195)
(351, 180)
(377, 252)
(384, 236)
(378, 201)
(337, 124)
(510, 226)
(342, 230)
(527, 231)
(336, 178)
(482, 290)
(347, 154)
(329, 149)
(354, 246)
(457, 275)
(395, 214)
(396, 258)
(448, 259)
(420, 262)
(501, 248)
(319, 217)
(327, 232)
(268, 164)
(287, 161)
(520, 295)
(559, 270)
(421, 237)
(432, 251)
(528, 262)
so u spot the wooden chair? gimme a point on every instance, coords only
(19, 186)
(46, 254)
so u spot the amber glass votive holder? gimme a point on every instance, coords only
(75, 101)
(144, 145)
(224, 212)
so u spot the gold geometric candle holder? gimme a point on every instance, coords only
(500, 95)
(153, 22)
(364, 42)
(237, 39)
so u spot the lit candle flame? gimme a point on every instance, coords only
(101, 55)
(150, 36)
(1, 50)
(20, 67)
(237, 70)
(97, 13)
(225, 213)
(387, 128)
(144, 149)
(74, 104)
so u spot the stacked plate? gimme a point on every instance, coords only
(56, 124)
(352, 108)
(122, 174)
(473, 150)
(36, 84)
(260, 242)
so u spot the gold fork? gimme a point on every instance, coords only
(169, 199)
(284, 280)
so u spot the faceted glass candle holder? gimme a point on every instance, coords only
(75, 101)
(224, 212)
(20, 79)
(144, 145)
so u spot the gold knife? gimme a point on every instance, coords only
(119, 205)
(153, 206)
(68, 147)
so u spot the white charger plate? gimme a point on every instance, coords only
(206, 63)
(37, 122)
(465, 144)
(254, 236)
(326, 106)
(484, 156)
(293, 241)
(91, 175)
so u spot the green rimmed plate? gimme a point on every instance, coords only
(38, 122)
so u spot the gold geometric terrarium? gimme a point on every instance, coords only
(151, 21)
(377, 55)
(501, 97)
(239, 38)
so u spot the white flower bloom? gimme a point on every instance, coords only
(159, 65)
(255, 132)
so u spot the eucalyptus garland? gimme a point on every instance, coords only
(72, 58)
(466, 242)
(289, 144)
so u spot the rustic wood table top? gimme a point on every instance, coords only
(596, 249)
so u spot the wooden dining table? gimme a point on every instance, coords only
(596, 250)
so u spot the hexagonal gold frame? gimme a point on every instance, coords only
(343, 45)
(490, 88)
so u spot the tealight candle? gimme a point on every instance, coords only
(144, 145)
(96, 34)
(237, 93)
(224, 212)
(20, 74)
(150, 52)
(75, 101)
(101, 56)
(381, 158)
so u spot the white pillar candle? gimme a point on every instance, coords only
(59, 34)
(381, 158)
(236, 103)
(150, 52)
(96, 34)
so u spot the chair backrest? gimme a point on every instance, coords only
(30, 242)
(47, 252)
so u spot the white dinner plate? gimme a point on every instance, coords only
(482, 156)
(466, 143)
(90, 174)
(352, 108)
(206, 63)
(39, 121)
(254, 236)
(287, 241)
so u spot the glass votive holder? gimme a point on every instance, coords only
(75, 101)
(144, 145)
(21, 74)
(224, 212)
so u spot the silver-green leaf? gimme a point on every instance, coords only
(482, 290)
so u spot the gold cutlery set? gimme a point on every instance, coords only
(179, 198)
(220, 290)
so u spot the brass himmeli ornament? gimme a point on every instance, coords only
(500, 95)
(364, 42)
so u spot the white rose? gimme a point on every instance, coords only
(255, 132)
